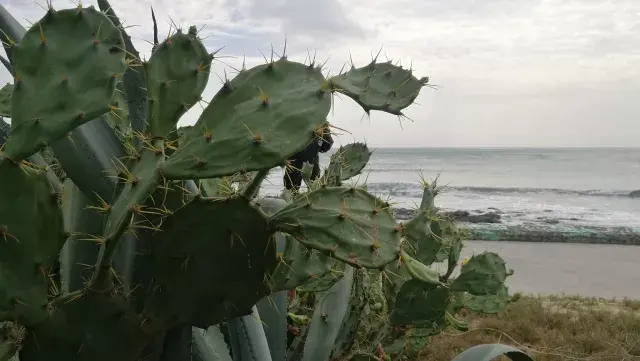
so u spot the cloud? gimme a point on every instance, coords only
(525, 72)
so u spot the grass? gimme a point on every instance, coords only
(551, 328)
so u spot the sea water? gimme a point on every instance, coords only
(572, 186)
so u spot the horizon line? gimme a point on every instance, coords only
(501, 147)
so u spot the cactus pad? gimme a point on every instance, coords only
(423, 238)
(379, 86)
(490, 304)
(349, 223)
(353, 158)
(298, 264)
(66, 68)
(118, 116)
(256, 121)
(208, 269)
(93, 327)
(177, 74)
(5, 100)
(139, 185)
(31, 235)
(483, 274)
(419, 271)
(325, 282)
(419, 303)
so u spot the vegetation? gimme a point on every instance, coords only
(556, 328)
(186, 258)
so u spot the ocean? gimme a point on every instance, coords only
(552, 188)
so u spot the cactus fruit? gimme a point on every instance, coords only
(69, 62)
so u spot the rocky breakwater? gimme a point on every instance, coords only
(494, 225)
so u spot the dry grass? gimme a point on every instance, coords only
(551, 328)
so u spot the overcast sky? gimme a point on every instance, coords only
(511, 72)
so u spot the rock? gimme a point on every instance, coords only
(496, 210)
(548, 220)
(403, 214)
(635, 194)
(467, 217)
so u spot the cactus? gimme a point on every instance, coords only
(177, 248)
(5, 100)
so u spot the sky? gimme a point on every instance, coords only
(523, 73)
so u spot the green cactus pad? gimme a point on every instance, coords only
(208, 269)
(31, 235)
(419, 303)
(490, 304)
(379, 86)
(483, 274)
(256, 121)
(423, 238)
(93, 327)
(335, 274)
(297, 265)
(349, 223)
(66, 69)
(177, 73)
(353, 158)
(5, 100)
(118, 116)
(140, 184)
(419, 271)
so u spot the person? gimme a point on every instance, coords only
(293, 172)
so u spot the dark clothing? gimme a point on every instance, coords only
(293, 174)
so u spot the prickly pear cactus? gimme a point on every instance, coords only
(170, 219)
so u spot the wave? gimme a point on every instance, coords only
(414, 190)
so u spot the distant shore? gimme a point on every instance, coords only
(487, 226)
